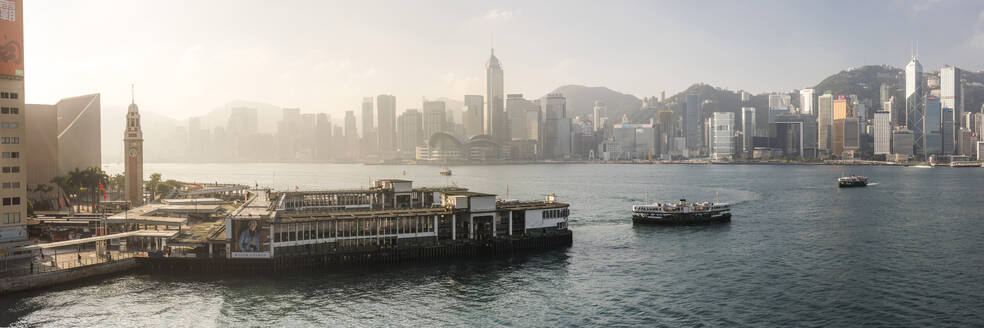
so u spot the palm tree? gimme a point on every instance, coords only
(153, 185)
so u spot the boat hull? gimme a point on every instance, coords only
(681, 219)
(852, 184)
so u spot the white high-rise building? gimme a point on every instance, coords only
(883, 132)
(951, 96)
(914, 102)
(495, 121)
(807, 101)
(780, 100)
(723, 134)
(600, 116)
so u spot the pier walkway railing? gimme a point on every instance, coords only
(44, 267)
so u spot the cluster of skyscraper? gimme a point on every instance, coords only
(932, 123)
(802, 124)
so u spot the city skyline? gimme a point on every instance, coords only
(227, 59)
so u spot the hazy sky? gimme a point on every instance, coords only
(188, 57)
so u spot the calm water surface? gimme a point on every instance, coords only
(906, 251)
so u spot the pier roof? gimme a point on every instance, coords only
(516, 206)
(308, 217)
(467, 193)
(444, 189)
(137, 233)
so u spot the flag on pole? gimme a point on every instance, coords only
(103, 190)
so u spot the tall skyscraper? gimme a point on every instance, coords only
(133, 147)
(474, 115)
(951, 96)
(932, 122)
(411, 135)
(435, 116)
(723, 135)
(807, 102)
(369, 142)
(914, 106)
(883, 133)
(495, 123)
(948, 131)
(557, 127)
(748, 130)
(288, 133)
(323, 142)
(600, 115)
(842, 111)
(897, 116)
(884, 93)
(386, 126)
(516, 108)
(351, 136)
(14, 211)
(825, 121)
(691, 121)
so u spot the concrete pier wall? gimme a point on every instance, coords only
(326, 257)
(41, 280)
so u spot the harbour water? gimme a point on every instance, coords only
(906, 251)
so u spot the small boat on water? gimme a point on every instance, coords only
(446, 172)
(681, 212)
(852, 181)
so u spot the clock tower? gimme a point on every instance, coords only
(133, 154)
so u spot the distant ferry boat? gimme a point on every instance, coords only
(446, 171)
(852, 181)
(681, 212)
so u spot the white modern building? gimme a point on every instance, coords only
(600, 116)
(883, 132)
(807, 102)
(724, 136)
(914, 102)
(495, 122)
(951, 96)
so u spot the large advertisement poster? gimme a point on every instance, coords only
(250, 238)
(12, 34)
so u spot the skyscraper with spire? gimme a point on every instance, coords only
(914, 102)
(495, 123)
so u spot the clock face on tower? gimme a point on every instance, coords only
(132, 153)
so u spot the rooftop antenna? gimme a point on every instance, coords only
(492, 42)
(131, 94)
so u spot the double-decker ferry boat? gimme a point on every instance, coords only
(681, 212)
(852, 181)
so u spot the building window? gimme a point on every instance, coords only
(9, 125)
(4, 95)
(13, 95)
(11, 185)
(13, 217)
(10, 140)
(11, 201)
(11, 154)
(9, 110)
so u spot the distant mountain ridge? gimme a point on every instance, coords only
(864, 81)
